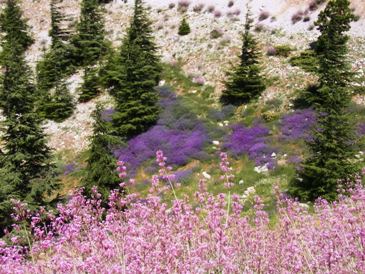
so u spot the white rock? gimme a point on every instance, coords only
(220, 124)
(206, 175)
(273, 155)
(216, 143)
(162, 83)
(261, 169)
(241, 182)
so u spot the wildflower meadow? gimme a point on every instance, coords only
(208, 234)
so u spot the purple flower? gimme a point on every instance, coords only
(297, 125)
(179, 146)
(252, 142)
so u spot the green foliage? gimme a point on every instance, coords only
(57, 33)
(135, 73)
(307, 60)
(25, 158)
(59, 104)
(283, 50)
(55, 65)
(90, 88)
(332, 147)
(184, 28)
(13, 29)
(101, 164)
(89, 42)
(245, 82)
(9, 179)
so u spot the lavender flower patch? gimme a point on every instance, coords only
(297, 125)
(252, 142)
(179, 146)
(178, 133)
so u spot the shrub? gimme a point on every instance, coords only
(271, 51)
(307, 60)
(184, 28)
(216, 33)
(211, 9)
(237, 12)
(264, 15)
(198, 8)
(297, 17)
(283, 50)
(313, 6)
(183, 5)
(217, 14)
(171, 6)
(230, 3)
(259, 28)
(306, 19)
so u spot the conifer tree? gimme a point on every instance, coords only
(89, 42)
(59, 105)
(52, 69)
(332, 148)
(101, 164)
(90, 88)
(25, 161)
(184, 28)
(135, 76)
(245, 82)
(14, 31)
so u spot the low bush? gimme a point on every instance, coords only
(283, 50)
(216, 33)
(264, 15)
(307, 60)
(198, 8)
(297, 17)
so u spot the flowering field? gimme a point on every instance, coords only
(209, 234)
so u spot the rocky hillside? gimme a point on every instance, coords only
(207, 52)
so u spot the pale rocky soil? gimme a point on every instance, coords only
(201, 55)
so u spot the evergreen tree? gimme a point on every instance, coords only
(332, 149)
(89, 42)
(55, 65)
(14, 30)
(135, 76)
(101, 164)
(59, 105)
(184, 28)
(245, 82)
(90, 88)
(25, 158)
